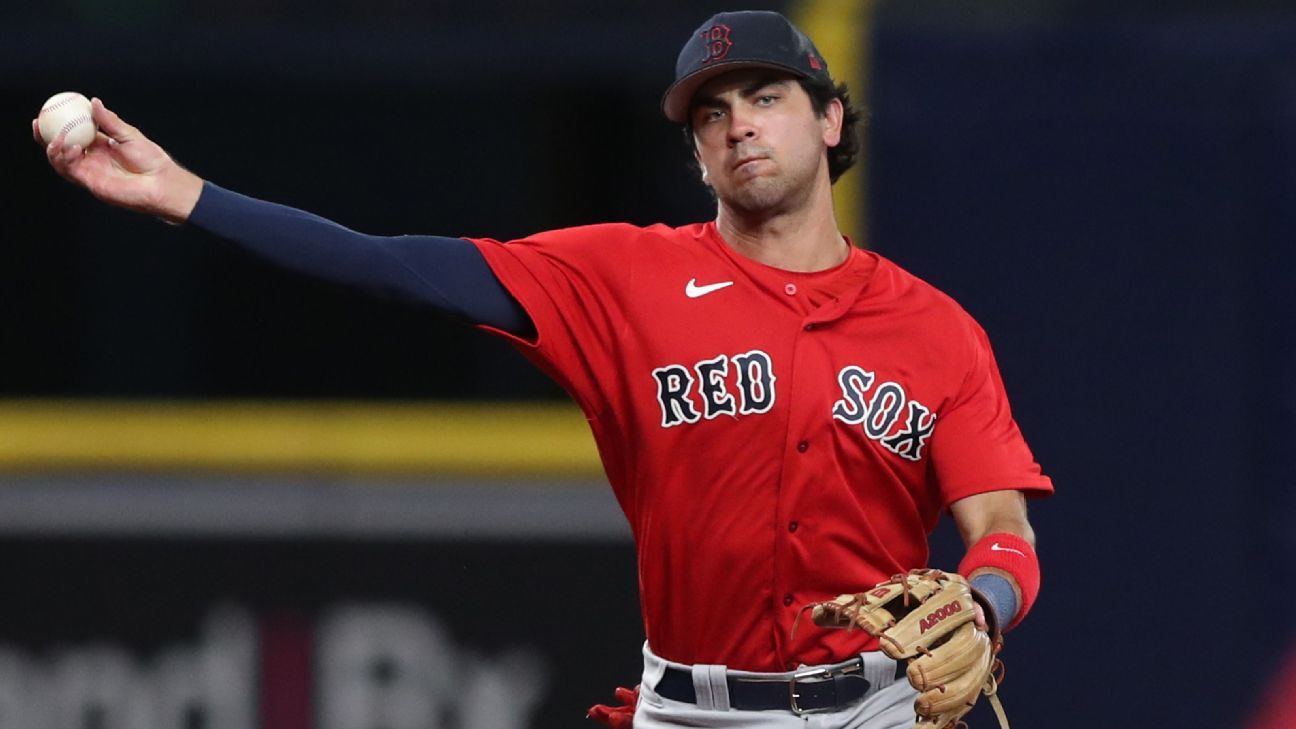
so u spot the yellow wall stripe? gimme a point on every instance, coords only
(331, 437)
(842, 31)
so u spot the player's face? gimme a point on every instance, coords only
(759, 142)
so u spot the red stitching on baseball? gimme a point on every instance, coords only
(72, 123)
(64, 102)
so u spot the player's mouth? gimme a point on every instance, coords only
(749, 162)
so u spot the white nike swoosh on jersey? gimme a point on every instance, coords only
(692, 290)
(996, 548)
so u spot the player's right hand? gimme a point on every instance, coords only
(125, 168)
(620, 716)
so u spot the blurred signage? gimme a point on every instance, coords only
(361, 666)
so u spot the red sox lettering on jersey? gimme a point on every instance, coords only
(689, 394)
(773, 437)
(678, 388)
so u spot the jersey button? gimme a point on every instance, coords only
(803, 446)
(792, 527)
(810, 327)
(787, 600)
(790, 289)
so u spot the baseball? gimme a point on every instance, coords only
(68, 112)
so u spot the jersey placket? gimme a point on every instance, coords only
(805, 448)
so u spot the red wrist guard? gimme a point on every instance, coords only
(1012, 556)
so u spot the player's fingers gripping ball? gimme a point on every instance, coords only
(926, 617)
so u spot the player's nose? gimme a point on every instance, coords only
(742, 128)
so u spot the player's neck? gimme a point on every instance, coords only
(805, 238)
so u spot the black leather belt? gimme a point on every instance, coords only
(804, 692)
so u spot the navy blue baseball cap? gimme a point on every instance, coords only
(743, 39)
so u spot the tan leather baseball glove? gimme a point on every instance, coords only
(926, 617)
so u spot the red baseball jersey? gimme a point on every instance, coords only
(774, 438)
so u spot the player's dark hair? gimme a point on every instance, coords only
(841, 157)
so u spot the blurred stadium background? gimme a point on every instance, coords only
(231, 497)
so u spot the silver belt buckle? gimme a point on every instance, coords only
(817, 675)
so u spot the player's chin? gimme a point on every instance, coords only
(754, 195)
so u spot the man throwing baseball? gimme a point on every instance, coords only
(783, 416)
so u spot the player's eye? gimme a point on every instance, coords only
(713, 115)
(766, 99)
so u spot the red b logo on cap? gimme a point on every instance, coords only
(717, 42)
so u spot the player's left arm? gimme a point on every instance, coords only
(1000, 562)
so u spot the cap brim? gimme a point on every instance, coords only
(675, 103)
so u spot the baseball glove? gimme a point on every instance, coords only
(926, 618)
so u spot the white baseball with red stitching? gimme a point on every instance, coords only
(69, 113)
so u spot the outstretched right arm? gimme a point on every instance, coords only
(125, 168)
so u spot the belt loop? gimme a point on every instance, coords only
(710, 687)
(720, 685)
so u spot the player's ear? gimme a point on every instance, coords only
(832, 122)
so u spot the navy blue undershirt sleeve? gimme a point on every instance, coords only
(448, 274)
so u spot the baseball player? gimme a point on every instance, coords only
(782, 415)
